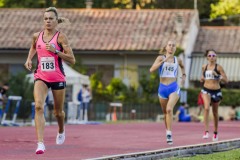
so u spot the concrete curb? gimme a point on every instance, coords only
(180, 151)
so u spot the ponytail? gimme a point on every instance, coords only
(61, 20)
(163, 50)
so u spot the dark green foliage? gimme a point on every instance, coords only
(192, 96)
(230, 97)
(27, 3)
(78, 66)
(19, 85)
(149, 87)
(103, 4)
(204, 8)
(117, 90)
(178, 51)
(97, 88)
(70, 4)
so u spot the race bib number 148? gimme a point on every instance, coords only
(48, 64)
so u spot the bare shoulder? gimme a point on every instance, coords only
(179, 60)
(34, 38)
(36, 34)
(219, 67)
(62, 36)
(204, 66)
(160, 57)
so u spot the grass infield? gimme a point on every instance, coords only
(226, 155)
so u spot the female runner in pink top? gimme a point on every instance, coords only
(51, 47)
(49, 67)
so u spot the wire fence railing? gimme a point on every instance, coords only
(97, 111)
(128, 111)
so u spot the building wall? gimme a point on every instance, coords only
(189, 43)
(16, 57)
(124, 67)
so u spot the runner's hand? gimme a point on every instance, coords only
(183, 81)
(215, 73)
(28, 65)
(50, 48)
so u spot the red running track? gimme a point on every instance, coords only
(94, 141)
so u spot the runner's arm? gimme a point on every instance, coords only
(32, 52)
(67, 54)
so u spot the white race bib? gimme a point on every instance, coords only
(169, 69)
(209, 74)
(48, 64)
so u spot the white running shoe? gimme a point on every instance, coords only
(215, 137)
(60, 138)
(206, 135)
(40, 148)
(169, 139)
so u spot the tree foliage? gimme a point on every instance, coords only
(203, 5)
(117, 89)
(19, 85)
(225, 8)
(25, 3)
(1, 3)
(70, 3)
(149, 87)
(204, 8)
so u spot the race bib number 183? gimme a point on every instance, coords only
(48, 64)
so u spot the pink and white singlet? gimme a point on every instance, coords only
(49, 65)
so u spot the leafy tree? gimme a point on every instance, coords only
(204, 8)
(103, 4)
(122, 4)
(117, 90)
(1, 3)
(225, 8)
(203, 5)
(97, 88)
(19, 85)
(178, 51)
(70, 3)
(25, 3)
(174, 4)
(149, 87)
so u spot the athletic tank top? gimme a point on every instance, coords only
(49, 66)
(208, 74)
(169, 69)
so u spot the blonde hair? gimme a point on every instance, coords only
(162, 50)
(61, 20)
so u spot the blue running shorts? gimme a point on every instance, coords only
(165, 90)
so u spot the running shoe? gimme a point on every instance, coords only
(60, 138)
(206, 135)
(215, 137)
(169, 139)
(40, 148)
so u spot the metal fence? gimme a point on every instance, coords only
(96, 112)
(128, 111)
